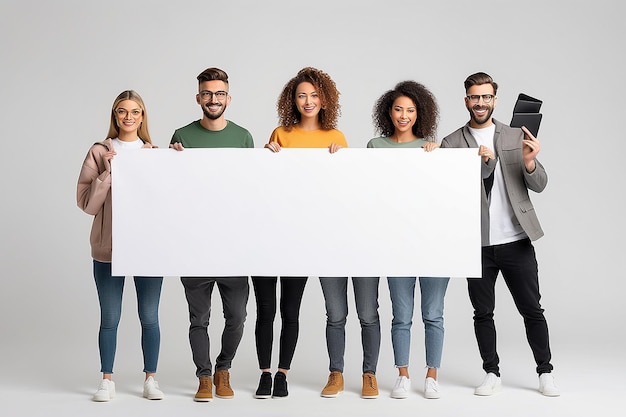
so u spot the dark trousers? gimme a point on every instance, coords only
(234, 293)
(291, 291)
(518, 264)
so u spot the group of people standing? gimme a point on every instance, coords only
(308, 110)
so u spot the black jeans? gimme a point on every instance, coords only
(291, 290)
(234, 293)
(518, 264)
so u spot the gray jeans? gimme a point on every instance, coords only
(336, 299)
(234, 293)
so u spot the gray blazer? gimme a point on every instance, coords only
(508, 144)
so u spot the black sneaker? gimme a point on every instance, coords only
(280, 385)
(265, 386)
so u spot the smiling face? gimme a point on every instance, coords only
(403, 115)
(128, 116)
(307, 100)
(480, 112)
(213, 106)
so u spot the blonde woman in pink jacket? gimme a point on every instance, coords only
(128, 130)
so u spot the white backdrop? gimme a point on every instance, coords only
(63, 63)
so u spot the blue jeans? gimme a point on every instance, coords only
(110, 290)
(336, 299)
(402, 292)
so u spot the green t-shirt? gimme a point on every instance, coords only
(194, 135)
(384, 142)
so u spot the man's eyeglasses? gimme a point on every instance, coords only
(475, 98)
(123, 112)
(207, 95)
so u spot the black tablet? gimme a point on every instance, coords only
(527, 104)
(526, 113)
(530, 120)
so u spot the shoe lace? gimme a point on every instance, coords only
(332, 379)
(224, 379)
(370, 381)
(431, 385)
(205, 383)
(266, 381)
(400, 383)
(548, 382)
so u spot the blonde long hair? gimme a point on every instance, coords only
(114, 129)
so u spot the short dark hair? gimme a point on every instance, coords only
(480, 78)
(211, 74)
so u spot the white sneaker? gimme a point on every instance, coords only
(401, 388)
(106, 391)
(151, 389)
(491, 384)
(431, 389)
(547, 386)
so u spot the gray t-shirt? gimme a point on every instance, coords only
(384, 142)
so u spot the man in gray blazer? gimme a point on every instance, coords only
(509, 224)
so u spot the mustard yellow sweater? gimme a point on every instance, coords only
(298, 138)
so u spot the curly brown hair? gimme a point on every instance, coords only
(427, 110)
(328, 116)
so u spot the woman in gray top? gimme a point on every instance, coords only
(407, 117)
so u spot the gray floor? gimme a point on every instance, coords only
(46, 375)
(585, 392)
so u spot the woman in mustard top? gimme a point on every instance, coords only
(308, 110)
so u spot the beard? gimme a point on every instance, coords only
(215, 115)
(483, 119)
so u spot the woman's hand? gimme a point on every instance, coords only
(334, 147)
(108, 157)
(430, 146)
(273, 146)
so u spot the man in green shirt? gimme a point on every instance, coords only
(214, 131)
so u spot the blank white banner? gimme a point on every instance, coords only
(299, 212)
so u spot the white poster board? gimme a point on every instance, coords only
(299, 212)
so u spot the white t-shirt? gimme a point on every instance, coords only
(503, 226)
(120, 145)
